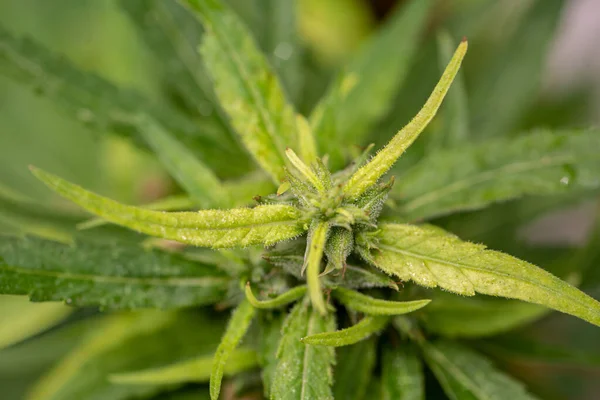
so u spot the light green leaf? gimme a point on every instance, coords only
(454, 112)
(246, 86)
(21, 319)
(304, 372)
(109, 275)
(307, 174)
(315, 245)
(362, 330)
(402, 373)
(432, 257)
(370, 173)
(513, 71)
(540, 163)
(171, 203)
(354, 370)
(371, 306)
(197, 179)
(455, 316)
(236, 329)
(240, 227)
(363, 91)
(283, 299)
(306, 140)
(102, 106)
(465, 374)
(193, 370)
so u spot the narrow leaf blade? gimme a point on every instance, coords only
(236, 329)
(279, 301)
(314, 253)
(107, 275)
(366, 327)
(246, 86)
(371, 306)
(432, 257)
(304, 372)
(465, 374)
(208, 228)
(368, 175)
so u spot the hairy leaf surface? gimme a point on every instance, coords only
(208, 228)
(540, 163)
(104, 274)
(402, 375)
(246, 86)
(432, 257)
(465, 374)
(370, 173)
(303, 371)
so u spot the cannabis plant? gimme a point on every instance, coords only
(317, 250)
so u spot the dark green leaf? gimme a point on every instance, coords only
(402, 373)
(270, 325)
(432, 257)
(540, 163)
(303, 371)
(354, 370)
(465, 374)
(455, 316)
(108, 275)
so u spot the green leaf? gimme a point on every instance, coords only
(283, 299)
(304, 372)
(454, 128)
(105, 274)
(171, 203)
(196, 178)
(208, 228)
(270, 328)
(173, 34)
(370, 173)
(337, 249)
(246, 86)
(465, 374)
(193, 370)
(315, 245)
(454, 316)
(540, 163)
(362, 330)
(513, 71)
(432, 257)
(236, 329)
(354, 370)
(402, 373)
(306, 140)
(127, 342)
(363, 91)
(371, 306)
(102, 106)
(20, 319)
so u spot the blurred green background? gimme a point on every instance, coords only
(531, 64)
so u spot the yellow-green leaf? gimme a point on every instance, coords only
(362, 330)
(279, 301)
(371, 306)
(314, 253)
(431, 257)
(368, 175)
(240, 227)
(246, 86)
